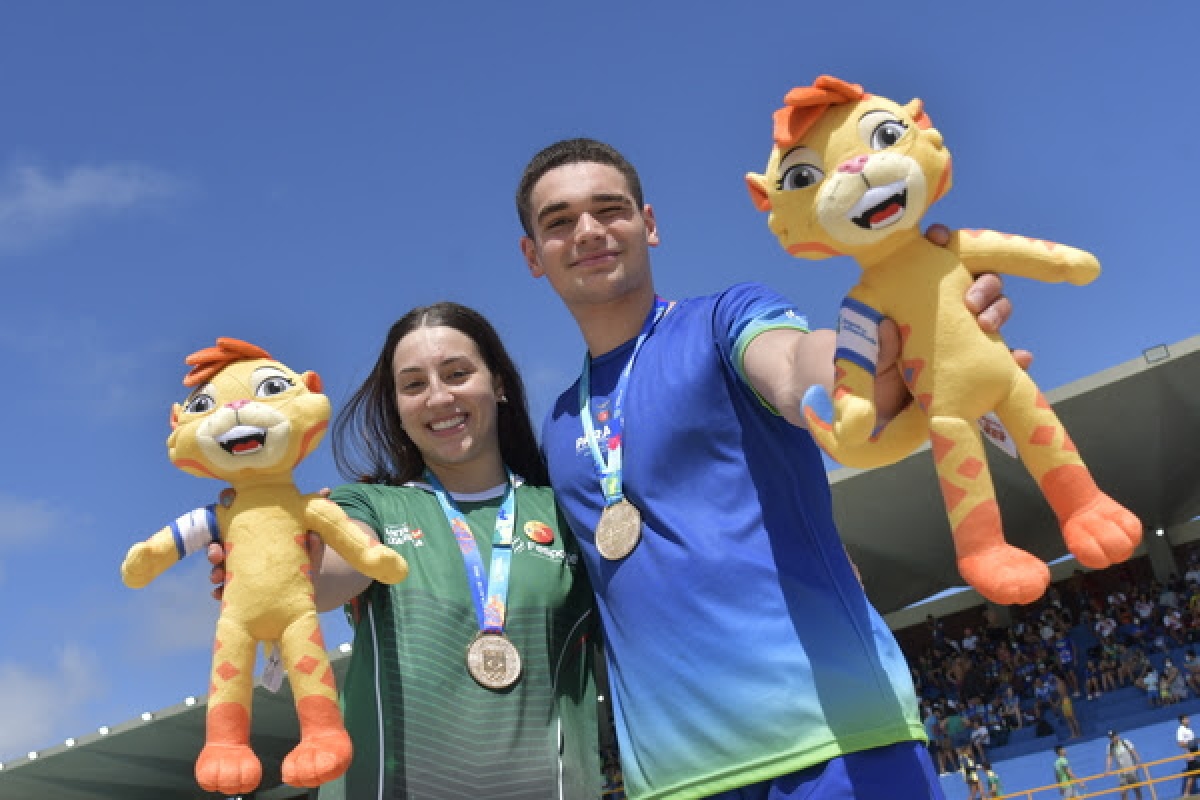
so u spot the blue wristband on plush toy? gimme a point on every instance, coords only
(858, 334)
(196, 529)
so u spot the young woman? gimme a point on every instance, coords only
(472, 677)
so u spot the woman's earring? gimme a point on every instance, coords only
(503, 398)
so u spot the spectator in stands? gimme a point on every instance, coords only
(993, 780)
(939, 742)
(1045, 697)
(1068, 784)
(956, 727)
(1191, 771)
(1011, 709)
(1092, 680)
(1143, 608)
(1184, 735)
(1173, 683)
(1067, 708)
(1120, 751)
(1169, 598)
(1109, 669)
(1104, 626)
(1173, 626)
(980, 740)
(1191, 667)
(970, 772)
(1149, 684)
(1065, 656)
(1132, 667)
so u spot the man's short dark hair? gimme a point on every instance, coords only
(572, 151)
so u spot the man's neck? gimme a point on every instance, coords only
(606, 327)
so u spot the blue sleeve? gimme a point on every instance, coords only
(745, 311)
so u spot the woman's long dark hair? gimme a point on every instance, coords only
(368, 440)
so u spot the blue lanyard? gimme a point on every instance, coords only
(612, 469)
(489, 595)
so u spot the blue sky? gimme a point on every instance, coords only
(299, 175)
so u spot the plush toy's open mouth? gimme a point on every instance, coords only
(887, 204)
(243, 440)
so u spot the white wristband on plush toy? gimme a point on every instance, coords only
(858, 334)
(196, 530)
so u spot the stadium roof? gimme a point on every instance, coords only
(1137, 426)
(153, 759)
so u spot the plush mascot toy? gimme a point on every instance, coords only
(249, 421)
(852, 174)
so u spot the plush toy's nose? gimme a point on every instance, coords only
(236, 404)
(854, 165)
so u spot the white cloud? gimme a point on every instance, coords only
(36, 205)
(38, 702)
(23, 520)
(174, 613)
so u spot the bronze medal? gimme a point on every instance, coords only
(619, 530)
(493, 661)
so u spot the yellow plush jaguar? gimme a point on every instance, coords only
(852, 174)
(250, 420)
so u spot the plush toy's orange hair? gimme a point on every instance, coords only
(208, 362)
(804, 105)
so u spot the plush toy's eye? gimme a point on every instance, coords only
(275, 384)
(799, 168)
(200, 403)
(887, 134)
(800, 176)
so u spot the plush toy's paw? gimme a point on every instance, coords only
(384, 564)
(845, 422)
(1082, 267)
(230, 769)
(1102, 533)
(1006, 575)
(318, 759)
(139, 568)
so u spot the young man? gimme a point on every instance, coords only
(744, 657)
(1121, 752)
(1068, 784)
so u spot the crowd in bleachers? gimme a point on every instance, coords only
(981, 675)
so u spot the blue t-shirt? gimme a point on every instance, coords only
(740, 644)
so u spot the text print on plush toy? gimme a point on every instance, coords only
(249, 421)
(852, 174)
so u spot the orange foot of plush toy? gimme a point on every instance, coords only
(1102, 533)
(324, 751)
(1006, 575)
(230, 769)
(227, 764)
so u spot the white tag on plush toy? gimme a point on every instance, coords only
(858, 334)
(272, 674)
(995, 431)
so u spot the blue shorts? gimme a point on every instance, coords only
(898, 772)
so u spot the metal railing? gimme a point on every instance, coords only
(1151, 787)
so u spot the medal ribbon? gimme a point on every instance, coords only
(490, 593)
(611, 469)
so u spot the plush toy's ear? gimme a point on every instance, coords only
(312, 380)
(176, 410)
(757, 184)
(916, 110)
